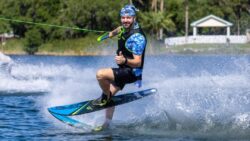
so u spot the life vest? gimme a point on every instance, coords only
(123, 37)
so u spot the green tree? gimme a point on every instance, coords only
(155, 15)
(153, 21)
(176, 9)
(33, 40)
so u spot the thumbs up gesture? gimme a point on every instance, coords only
(120, 53)
(120, 59)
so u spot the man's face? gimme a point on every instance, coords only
(127, 21)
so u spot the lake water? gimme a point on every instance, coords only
(199, 98)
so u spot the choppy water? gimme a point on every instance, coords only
(199, 98)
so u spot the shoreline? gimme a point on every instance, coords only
(150, 54)
(86, 47)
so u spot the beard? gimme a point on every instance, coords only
(128, 25)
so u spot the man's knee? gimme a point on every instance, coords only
(99, 75)
(105, 74)
(102, 74)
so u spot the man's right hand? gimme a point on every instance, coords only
(120, 59)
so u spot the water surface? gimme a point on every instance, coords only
(199, 98)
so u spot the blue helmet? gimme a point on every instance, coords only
(128, 10)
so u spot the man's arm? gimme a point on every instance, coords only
(115, 32)
(110, 34)
(135, 62)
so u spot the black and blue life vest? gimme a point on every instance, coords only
(123, 37)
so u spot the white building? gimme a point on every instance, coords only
(5, 36)
(208, 21)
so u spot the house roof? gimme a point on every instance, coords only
(211, 21)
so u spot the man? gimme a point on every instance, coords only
(130, 58)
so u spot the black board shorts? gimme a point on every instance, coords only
(123, 76)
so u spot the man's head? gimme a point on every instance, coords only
(128, 15)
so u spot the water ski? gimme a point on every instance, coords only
(62, 112)
(88, 107)
(78, 124)
(73, 122)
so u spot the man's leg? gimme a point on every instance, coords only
(105, 77)
(110, 111)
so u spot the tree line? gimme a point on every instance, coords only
(159, 18)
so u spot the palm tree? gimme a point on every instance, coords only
(186, 19)
(130, 2)
(154, 7)
(157, 20)
(161, 29)
(240, 8)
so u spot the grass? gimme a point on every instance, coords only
(13, 46)
(81, 46)
(68, 46)
(89, 46)
(210, 49)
